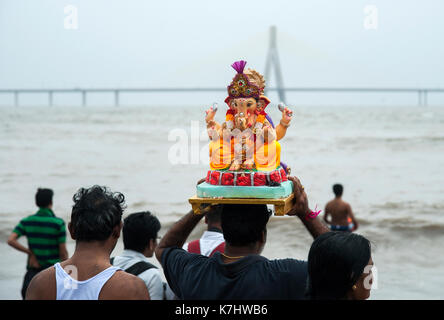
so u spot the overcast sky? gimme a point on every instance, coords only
(141, 43)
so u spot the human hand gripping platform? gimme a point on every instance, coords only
(300, 201)
(300, 206)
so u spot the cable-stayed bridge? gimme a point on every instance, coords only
(272, 61)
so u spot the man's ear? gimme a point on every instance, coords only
(71, 231)
(264, 236)
(152, 244)
(117, 229)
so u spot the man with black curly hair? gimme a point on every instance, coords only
(96, 222)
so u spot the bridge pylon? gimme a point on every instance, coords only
(273, 59)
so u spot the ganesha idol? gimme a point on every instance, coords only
(245, 149)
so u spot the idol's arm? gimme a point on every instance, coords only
(213, 126)
(269, 133)
(281, 128)
(214, 130)
(280, 131)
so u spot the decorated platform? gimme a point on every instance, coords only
(245, 184)
(281, 206)
(205, 190)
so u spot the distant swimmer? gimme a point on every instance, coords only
(342, 218)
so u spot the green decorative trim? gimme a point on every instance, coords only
(206, 190)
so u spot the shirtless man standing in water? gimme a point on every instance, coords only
(342, 218)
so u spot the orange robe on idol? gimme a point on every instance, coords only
(267, 156)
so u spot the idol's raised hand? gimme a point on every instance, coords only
(287, 114)
(210, 113)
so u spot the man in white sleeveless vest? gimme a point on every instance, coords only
(96, 222)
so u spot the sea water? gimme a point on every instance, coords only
(389, 159)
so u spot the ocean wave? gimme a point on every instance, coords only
(397, 205)
(139, 204)
(409, 215)
(412, 225)
(406, 205)
(390, 140)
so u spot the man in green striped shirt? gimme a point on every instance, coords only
(46, 236)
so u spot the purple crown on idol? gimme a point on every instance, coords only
(240, 87)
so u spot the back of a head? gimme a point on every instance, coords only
(335, 262)
(138, 229)
(95, 213)
(243, 224)
(214, 216)
(338, 189)
(43, 197)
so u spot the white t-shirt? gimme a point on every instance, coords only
(151, 277)
(208, 242)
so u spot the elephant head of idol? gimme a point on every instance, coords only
(245, 97)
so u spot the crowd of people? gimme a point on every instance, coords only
(225, 263)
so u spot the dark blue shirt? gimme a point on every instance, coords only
(196, 277)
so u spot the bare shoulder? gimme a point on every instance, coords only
(347, 205)
(42, 286)
(328, 205)
(124, 286)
